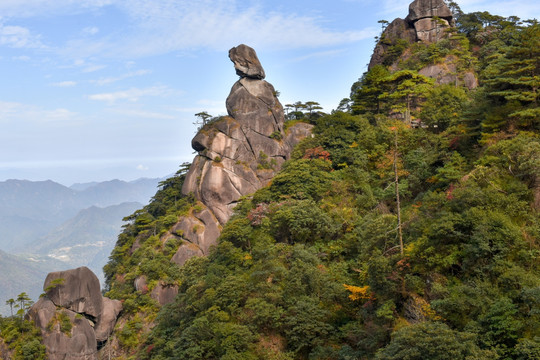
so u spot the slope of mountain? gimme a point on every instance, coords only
(30, 209)
(22, 274)
(406, 227)
(86, 239)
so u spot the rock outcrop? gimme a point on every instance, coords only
(427, 21)
(73, 316)
(237, 155)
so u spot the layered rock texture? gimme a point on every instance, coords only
(237, 155)
(73, 316)
(428, 21)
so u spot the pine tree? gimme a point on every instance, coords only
(512, 79)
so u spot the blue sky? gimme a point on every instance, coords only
(102, 89)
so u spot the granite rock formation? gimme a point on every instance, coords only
(427, 21)
(73, 316)
(237, 155)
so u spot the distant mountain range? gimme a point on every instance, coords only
(29, 210)
(46, 226)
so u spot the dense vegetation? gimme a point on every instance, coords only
(18, 336)
(140, 252)
(377, 239)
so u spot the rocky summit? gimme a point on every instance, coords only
(73, 316)
(427, 21)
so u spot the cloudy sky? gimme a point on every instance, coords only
(102, 89)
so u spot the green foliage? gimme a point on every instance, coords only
(432, 341)
(65, 323)
(309, 267)
(329, 220)
(265, 163)
(443, 107)
(22, 338)
(128, 335)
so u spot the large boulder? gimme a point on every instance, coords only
(428, 21)
(446, 72)
(73, 316)
(246, 62)
(164, 293)
(430, 30)
(77, 290)
(398, 29)
(185, 252)
(107, 319)
(66, 334)
(421, 9)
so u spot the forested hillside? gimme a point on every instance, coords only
(406, 228)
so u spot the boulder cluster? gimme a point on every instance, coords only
(427, 21)
(73, 316)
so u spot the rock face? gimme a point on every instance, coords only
(73, 316)
(427, 21)
(421, 9)
(77, 290)
(446, 72)
(246, 62)
(237, 155)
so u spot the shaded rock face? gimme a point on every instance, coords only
(164, 293)
(421, 9)
(427, 21)
(446, 72)
(430, 30)
(73, 316)
(78, 290)
(237, 155)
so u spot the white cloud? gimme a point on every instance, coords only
(22, 58)
(27, 113)
(145, 114)
(105, 81)
(27, 8)
(18, 37)
(158, 27)
(132, 94)
(93, 30)
(92, 68)
(141, 167)
(172, 26)
(64, 84)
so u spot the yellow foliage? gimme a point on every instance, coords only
(358, 292)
